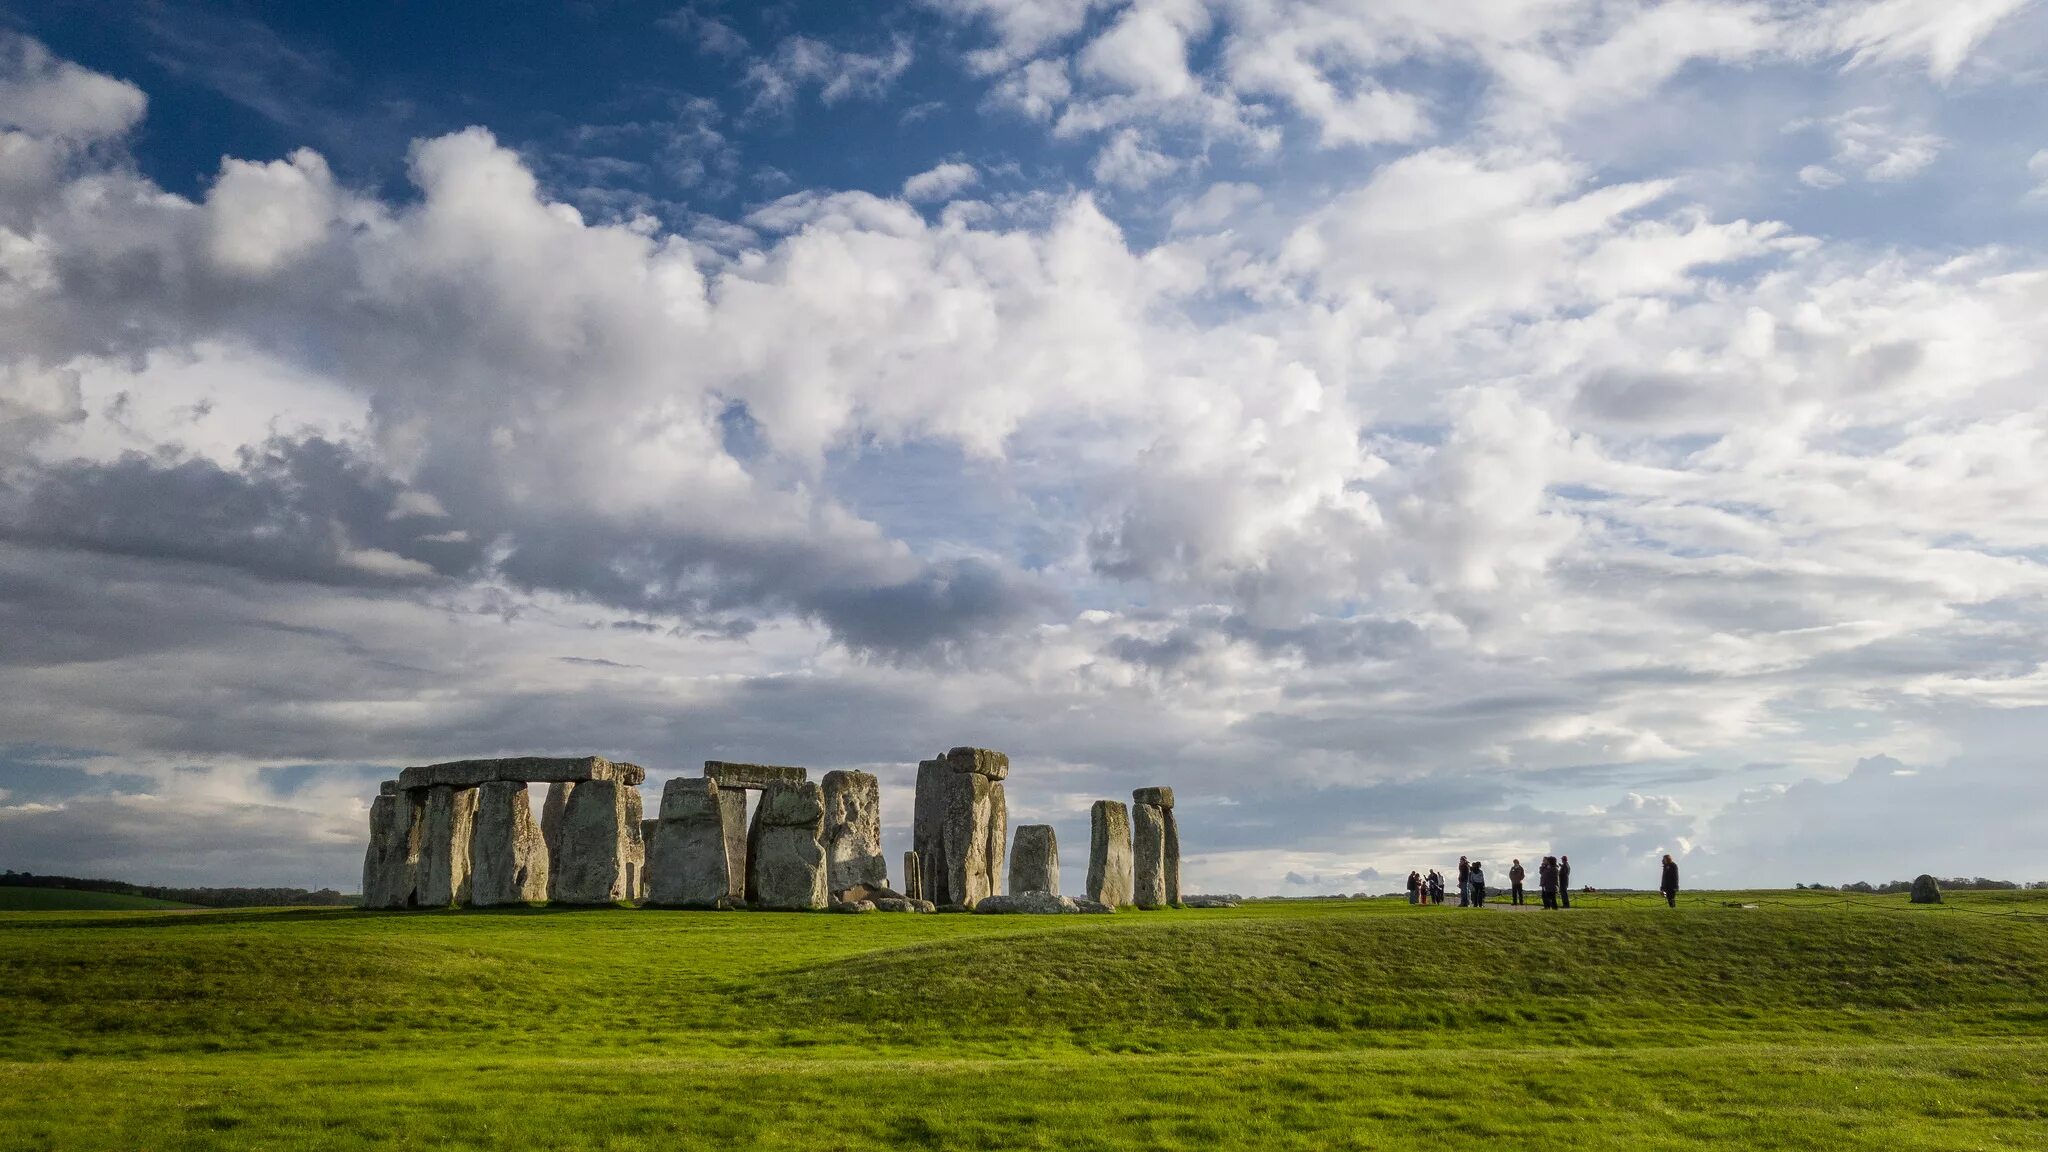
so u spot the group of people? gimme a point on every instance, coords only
(1554, 878)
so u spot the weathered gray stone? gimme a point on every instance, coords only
(508, 859)
(1926, 889)
(960, 828)
(1148, 856)
(755, 776)
(526, 769)
(1096, 907)
(551, 810)
(390, 866)
(1157, 797)
(1035, 860)
(980, 761)
(449, 821)
(868, 892)
(853, 832)
(1109, 853)
(1170, 863)
(1032, 903)
(732, 811)
(902, 904)
(785, 859)
(687, 861)
(1209, 901)
(633, 815)
(594, 846)
(854, 906)
(913, 877)
(388, 788)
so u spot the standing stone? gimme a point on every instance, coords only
(1926, 889)
(785, 859)
(450, 820)
(1148, 855)
(913, 877)
(1171, 865)
(383, 815)
(687, 858)
(961, 825)
(853, 832)
(634, 816)
(508, 859)
(1035, 861)
(732, 813)
(1109, 853)
(551, 811)
(594, 846)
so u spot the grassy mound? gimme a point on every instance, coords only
(1800, 1023)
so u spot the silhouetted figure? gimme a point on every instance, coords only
(1564, 880)
(1464, 882)
(1436, 886)
(1546, 878)
(1515, 875)
(1478, 885)
(1669, 885)
(1415, 887)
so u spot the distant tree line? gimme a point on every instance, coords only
(204, 897)
(1949, 884)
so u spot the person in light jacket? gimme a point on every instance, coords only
(1478, 884)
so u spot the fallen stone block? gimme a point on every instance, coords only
(851, 906)
(1030, 903)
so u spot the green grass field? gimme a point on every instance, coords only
(70, 900)
(1802, 1023)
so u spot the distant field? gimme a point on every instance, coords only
(66, 899)
(1805, 1022)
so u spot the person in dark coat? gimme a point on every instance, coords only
(1436, 886)
(1546, 878)
(1564, 881)
(1464, 882)
(1415, 887)
(1515, 875)
(1669, 885)
(1478, 884)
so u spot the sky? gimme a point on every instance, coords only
(1407, 429)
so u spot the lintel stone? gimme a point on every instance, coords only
(520, 769)
(756, 776)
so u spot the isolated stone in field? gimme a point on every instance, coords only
(687, 860)
(732, 776)
(1035, 861)
(1210, 901)
(594, 849)
(853, 832)
(520, 769)
(1109, 853)
(449, 821)
(1926, 889)
(1148, 855)
(1034, 903)
(508, 860)
(961, 825)
(785, 859)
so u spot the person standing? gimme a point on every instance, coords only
(1669, 884)
(1564, 881)
(1415, 887)
(1478, 884)
(1436, 886)
(1515, 875)
(1464, 882)
(1546, 877)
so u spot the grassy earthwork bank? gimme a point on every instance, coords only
(1798, 1021)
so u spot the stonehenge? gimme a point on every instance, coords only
(785, 858)
(464, 832)
(1155, 849)
(853, 832)
(1109, 853)
(1035, 861)
(961, 825)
